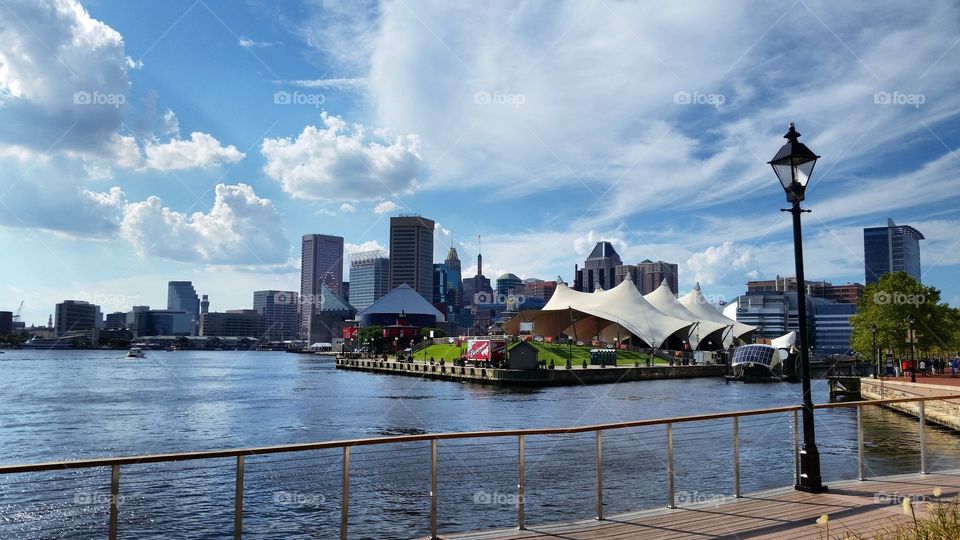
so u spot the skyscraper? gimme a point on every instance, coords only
(181, 296)
(894, 248)
(321, 264)
(411, 254)
(655, 272)
(76, 316)
(369, 278)
(280, 313)
(599, 270)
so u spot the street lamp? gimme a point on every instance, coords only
(876, 357)
(793, 166)
(913, 360)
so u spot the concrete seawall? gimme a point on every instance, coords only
(535, 377)
(945, 413)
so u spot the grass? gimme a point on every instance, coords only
(941, 522)
(548, 351)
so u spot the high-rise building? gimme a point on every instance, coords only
(476, 289)
(509, 285)
(411, 254)
(846, 294)
(322, 264)
(369, 278)
(894, 248)
(832, 326)
(631, 272)
(539, 289)
(655, 272)
(454, 284)
(280, 310)
(181, 296)
(76, 316)
(204, 304)
(599, 270)
(234, 323)
(117, 319)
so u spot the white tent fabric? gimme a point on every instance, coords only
(662, 298)
(619, 310)
(786, 341)
(697, 304)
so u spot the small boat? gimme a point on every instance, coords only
(136, 352)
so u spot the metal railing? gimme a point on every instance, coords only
(239, 455)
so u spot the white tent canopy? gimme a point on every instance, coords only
(697, 304)
(662, 298)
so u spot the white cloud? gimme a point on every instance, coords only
(385, 207)
(201, 150)
(241, 228)
(369, 245)
(347, 208)
(333, 84)
(341, 162)
(252, 44)
(723, 263)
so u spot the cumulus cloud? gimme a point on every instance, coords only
(341, 162)
(369, 245)
(724, 263)
(201, 150)
(385, 207)
(241, 228)
(63, 77)
(347, 208)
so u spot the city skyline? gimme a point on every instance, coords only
(173, 152)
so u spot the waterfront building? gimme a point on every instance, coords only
(599, 269)
(832, 326)
(144, 321)
(76, 316)
(404, 299)
(655, 273)
(331, 313)
(6, 322)
(321, 265)
(411, 254)
(774, 313)
(369, 277)
(894, 248)
(280, 310)
(233, 323)
(181, 296)
(117, 319)
(509, 285)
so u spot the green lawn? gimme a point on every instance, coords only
(548, 351)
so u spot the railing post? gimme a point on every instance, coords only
(433, 489)
(114, 500)
(796, 447)
(521, 487)
(923, 438)
(736, 456)
(345, 499)
(671, 503)
(599, 474)
(860, 454)
(238, 502)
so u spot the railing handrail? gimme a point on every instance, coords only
(301, 447)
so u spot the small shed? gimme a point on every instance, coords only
(523, 355)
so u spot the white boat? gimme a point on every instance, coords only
(136, 352)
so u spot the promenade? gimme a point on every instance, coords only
(863, 507)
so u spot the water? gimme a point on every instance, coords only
(60, 405)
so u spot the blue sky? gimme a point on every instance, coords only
(146, 142)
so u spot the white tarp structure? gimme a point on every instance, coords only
(618, 313)
(697, 304)
(662, 298)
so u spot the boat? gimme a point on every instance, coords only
(761, 362)
(136, 352)
(47, 343)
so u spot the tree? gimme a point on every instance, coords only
(373, 337)
(889, 303)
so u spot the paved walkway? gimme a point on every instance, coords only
(864, 507)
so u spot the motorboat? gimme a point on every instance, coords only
(136, 352)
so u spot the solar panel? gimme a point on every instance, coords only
(754, 354)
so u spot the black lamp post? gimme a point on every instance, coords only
(793, 166)
(913, 360)
(876, 357)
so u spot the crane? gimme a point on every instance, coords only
(16, 317)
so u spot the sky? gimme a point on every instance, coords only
(143, 142)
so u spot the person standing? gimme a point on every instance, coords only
(954, 363)
(923, 368)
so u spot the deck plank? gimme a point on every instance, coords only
(776, 514)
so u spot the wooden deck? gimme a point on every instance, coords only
(865, 507)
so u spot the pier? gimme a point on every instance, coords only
(531, 377)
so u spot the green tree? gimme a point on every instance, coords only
(889, 303)
(373, 337)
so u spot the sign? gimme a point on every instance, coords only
(526, 327)
(478, 349)
(350, 332)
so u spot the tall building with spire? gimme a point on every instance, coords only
(478, 284)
